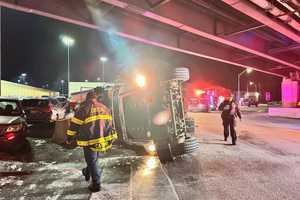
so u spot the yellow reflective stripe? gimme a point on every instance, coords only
(97, 117)
(77, 121)
(101, 141)
(71, 133)
(101, 148)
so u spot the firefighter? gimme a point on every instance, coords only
(230, 111)
(91, 128)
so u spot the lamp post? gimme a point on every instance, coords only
(68, 41)
(23, 77)
(248, 71)
(62, 87)
(103, 60)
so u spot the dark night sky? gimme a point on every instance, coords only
(31, 44)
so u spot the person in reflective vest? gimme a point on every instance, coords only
(91, 128)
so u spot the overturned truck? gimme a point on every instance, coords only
(150, 113)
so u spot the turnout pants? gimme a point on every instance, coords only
(92, 169)
(229, 125)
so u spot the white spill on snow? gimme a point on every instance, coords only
(39, 142)
(59, 184)
(19, 182)
(32, 186)
(76, 196)
(7, 180)
(13, 167)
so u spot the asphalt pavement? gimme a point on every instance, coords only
(265, 164)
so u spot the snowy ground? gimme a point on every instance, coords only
(265, 164)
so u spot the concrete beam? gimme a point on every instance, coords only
(247, 8)
(187, 21)
(147, 37)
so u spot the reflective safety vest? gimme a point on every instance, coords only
(92, 127)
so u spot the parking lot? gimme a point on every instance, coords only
(264, 164)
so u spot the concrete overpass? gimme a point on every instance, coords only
(236, 32)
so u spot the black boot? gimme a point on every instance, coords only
(225, 139)
(86, 174)
(234, 141)
(95, 187)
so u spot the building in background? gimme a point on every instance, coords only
(20, 90)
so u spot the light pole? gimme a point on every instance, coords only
(23, 77)
(103, 60)
(62, 87)
(68, 41)
(248, 71)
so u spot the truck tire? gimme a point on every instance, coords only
(190, 125)
(181, 73)
(191, 145)
(165, 154)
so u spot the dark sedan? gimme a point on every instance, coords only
(12, 125)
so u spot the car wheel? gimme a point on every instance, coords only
(165, 154)
(190, 125)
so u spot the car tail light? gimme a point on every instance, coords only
(10, 136)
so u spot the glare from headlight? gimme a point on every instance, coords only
(140, 80)
(152, 148)
(14, 128)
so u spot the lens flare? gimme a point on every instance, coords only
(140, 80)
(151, 163)
(152, 148)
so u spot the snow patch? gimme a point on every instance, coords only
(75, 196)
(60, 184)
(19, 182)
(7, 180)
(32, 186)
(13, 167)
(39, 142)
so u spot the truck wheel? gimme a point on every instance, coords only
(181, 73)
(165, 154)
(190, 125)
(191, 144)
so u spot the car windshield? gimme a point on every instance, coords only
(9, 108)
(35, 103)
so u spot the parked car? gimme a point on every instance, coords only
(13, 125)
(195, 105)
(45, 110)
(204, 104)
(37, 110)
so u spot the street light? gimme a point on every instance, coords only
(62, 87)
(68, 41)
(248, 71)
(103, 60)
(22, 78)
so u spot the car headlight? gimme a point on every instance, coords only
(14, 128)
